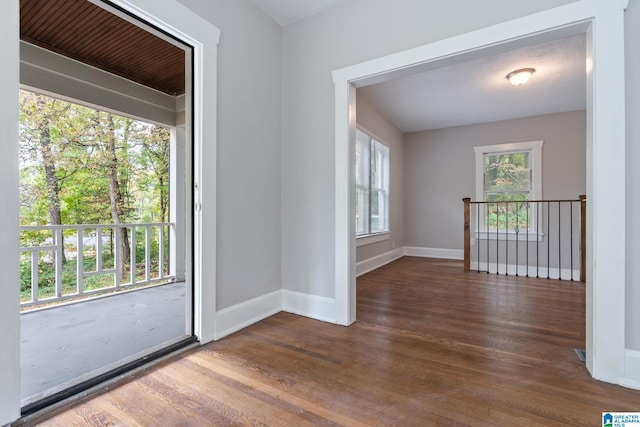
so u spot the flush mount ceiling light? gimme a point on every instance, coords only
(521, 76)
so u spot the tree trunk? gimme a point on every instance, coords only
(51, 179)
(164, 205)
(117, 199)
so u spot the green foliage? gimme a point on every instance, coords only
(47, 277)
(68, 156)
(79, 137)
(509, 213)
(507, 178)
(507, 173)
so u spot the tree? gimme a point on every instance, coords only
(507, 179)
(39, 118)
(84, 166)
(111, 138)
(155, 158)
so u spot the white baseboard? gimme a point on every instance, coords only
(632, 370)
(378, 261)
(239, 316)
(234, 318)
(434, 252)
(533, 271)
(312, 306)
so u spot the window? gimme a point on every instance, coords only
(508, 173)
(372, 185)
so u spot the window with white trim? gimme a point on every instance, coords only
(509, 173)
(372, 185)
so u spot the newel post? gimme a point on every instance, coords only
(467, 234)
(583, 238)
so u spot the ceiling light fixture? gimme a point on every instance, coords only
(521, 76)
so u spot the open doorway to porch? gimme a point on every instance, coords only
(105, 168)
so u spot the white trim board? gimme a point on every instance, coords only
(603, 23)
(534, 148)
(532, 270)
(239, 316)
(244, 314)
(370, 239)
(434, 252)
(373, 263)
(173, 18)
(247, 313)
(632, 370)
(312, 306)
(9, 214)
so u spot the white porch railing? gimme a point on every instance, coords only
(81, 243)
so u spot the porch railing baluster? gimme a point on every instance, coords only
(161, 252)
(147, 253)
(80, 261)
(98, 248)
(117, 255)
(56, 249)
(133, 256)
(35, 256)
(59, 254)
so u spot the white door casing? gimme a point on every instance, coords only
(603, 22)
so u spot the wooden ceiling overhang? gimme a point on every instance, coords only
(80, 30)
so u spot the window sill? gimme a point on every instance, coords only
(369, 239)
(509, 235)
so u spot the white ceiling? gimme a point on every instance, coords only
(286, 12)
(477, 91)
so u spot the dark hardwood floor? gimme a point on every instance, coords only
(432, 346)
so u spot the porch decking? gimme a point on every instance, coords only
(66, 344)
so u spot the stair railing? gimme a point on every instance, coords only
(533, 238)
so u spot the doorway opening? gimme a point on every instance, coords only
(605, 140)
(105, 209)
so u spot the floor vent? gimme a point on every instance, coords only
(582, 355)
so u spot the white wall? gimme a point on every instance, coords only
(353, 32)
(440, 170)
(632, 48)
(248, 241)
(248, 169)
(371, 120)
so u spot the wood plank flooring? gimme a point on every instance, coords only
(432, 346)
